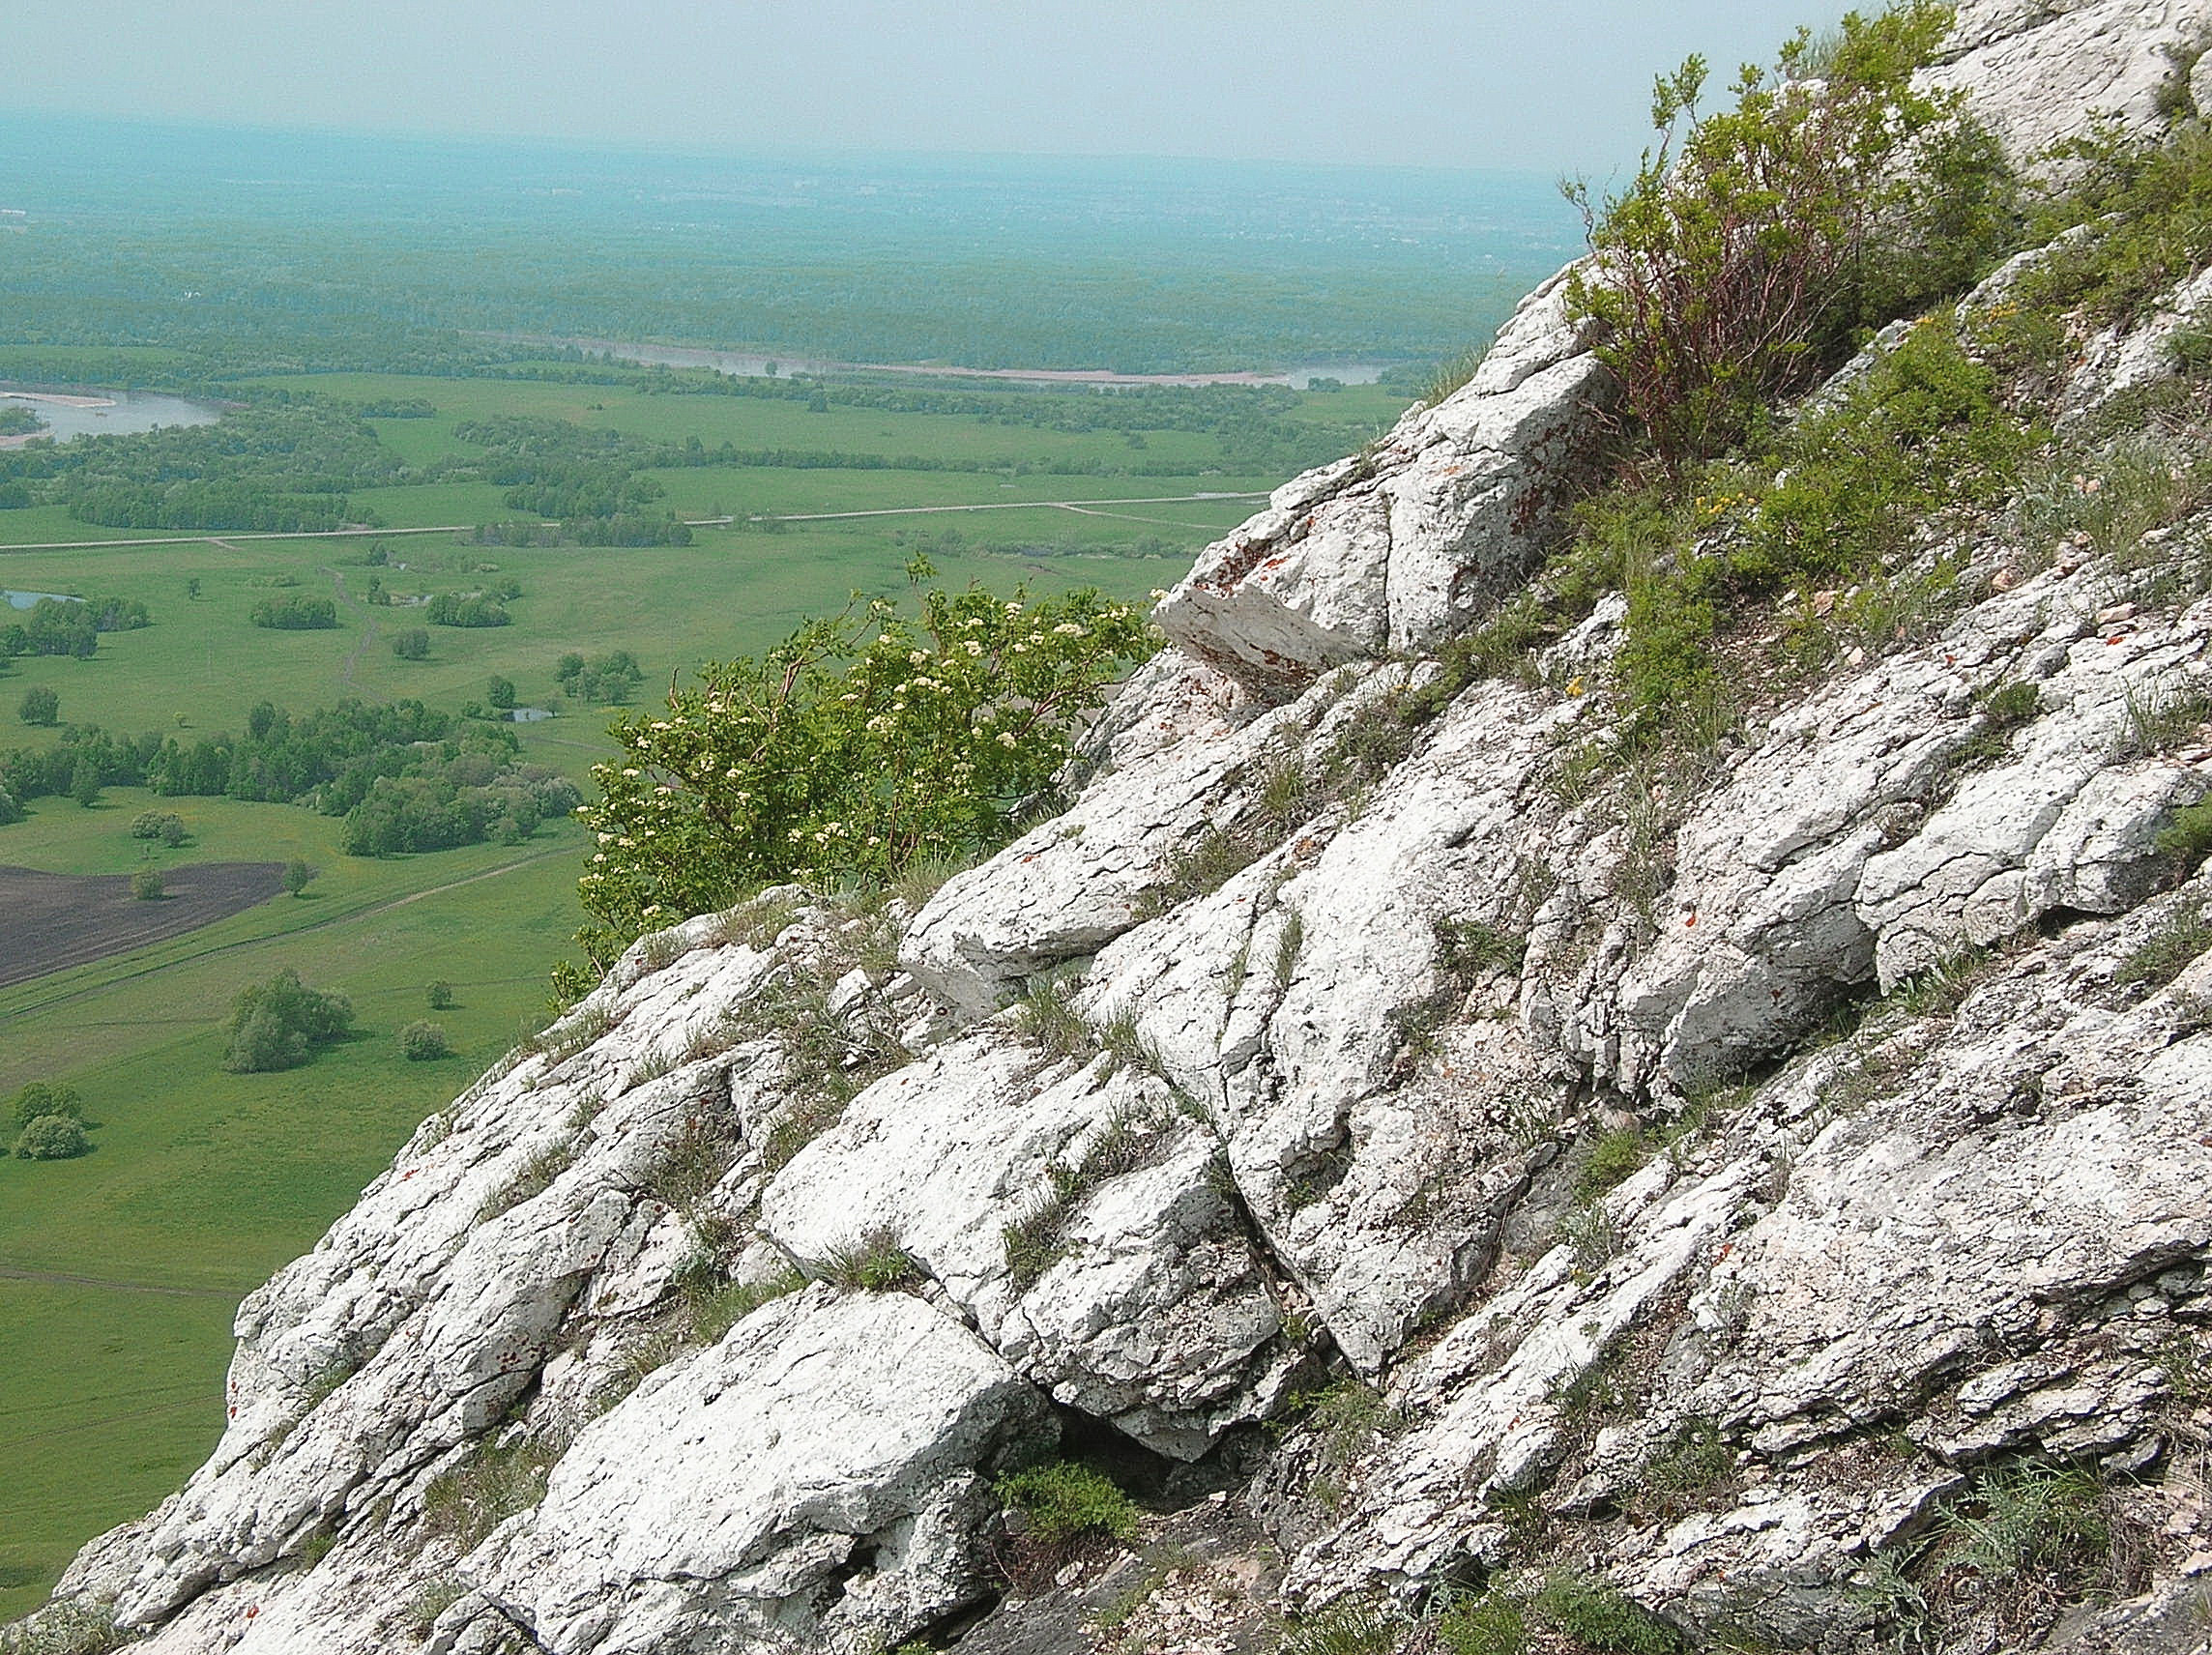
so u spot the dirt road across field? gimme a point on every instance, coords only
(52, 921)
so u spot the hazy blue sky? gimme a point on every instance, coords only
(1516, 83)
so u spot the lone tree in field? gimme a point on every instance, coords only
(439, 994)
(501, 694)
(277, 1025)
(166, 826)
(297, 875)
(52, 1138)
(412, 643)
(146, 884)
(423, 1042)
(40, 706)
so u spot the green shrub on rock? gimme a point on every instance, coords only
(1600, 1617)
(1832, 195)
(847, 751)
(64, 1628)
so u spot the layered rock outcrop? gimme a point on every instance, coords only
(1715, 1181)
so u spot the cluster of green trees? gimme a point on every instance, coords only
(17, 420)
(585, 477)
(282, 1023)
(405, 777)
(325, 758)
(466, 609)
(392, 408)
(49, 1122)
(627, 529)
(285, 466)
(166, 826)
(295, 614)
(279, 1024)
(40, 706)
(55, 626)
(463, 801)
(86, 759)
(604, 681)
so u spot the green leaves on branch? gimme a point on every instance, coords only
(853, 747)
(1753, 242)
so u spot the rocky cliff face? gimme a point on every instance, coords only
(1698, 1188)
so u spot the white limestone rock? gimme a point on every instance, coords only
(1151, 1312)
(815, 1480)
(1398, 549)
(1916, 1244)
(1272, 1001)
(1187, 762)
(2034, 71)
(1362, 1073)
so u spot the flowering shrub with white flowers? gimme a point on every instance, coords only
(856, 745)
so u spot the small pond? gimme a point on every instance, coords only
(32, 600)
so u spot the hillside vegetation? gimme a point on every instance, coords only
(1605, 1049)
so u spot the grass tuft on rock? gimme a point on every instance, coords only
(1064, 1501)
(468, 1500)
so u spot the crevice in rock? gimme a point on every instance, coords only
(2053, 923)
(947, 1630)
(858, 1561)
(524, 1634)
(1157, 1481)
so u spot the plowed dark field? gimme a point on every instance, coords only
(51, 920)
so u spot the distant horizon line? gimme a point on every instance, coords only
(24, 115)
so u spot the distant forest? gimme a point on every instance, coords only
(242, 254)
(284, 461)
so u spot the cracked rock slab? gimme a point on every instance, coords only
(816, 1479)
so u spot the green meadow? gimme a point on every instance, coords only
(119, 1271)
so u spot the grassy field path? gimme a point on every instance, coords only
(66, 1279)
